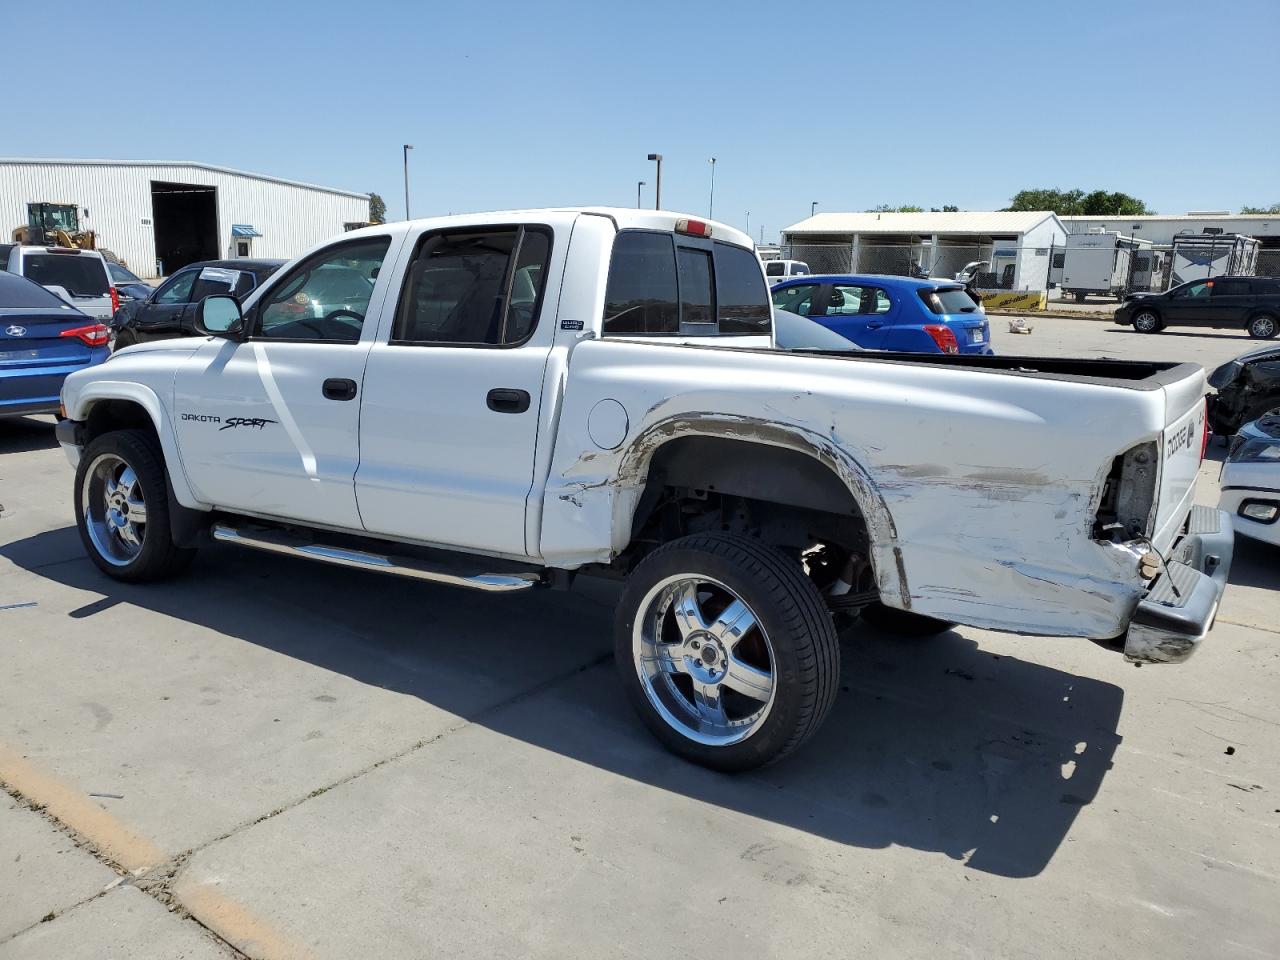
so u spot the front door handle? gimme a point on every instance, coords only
(507, 400)
(339, 388)
(874, 324)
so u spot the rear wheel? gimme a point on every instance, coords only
(1263, 326)
(1144, 321)
(1080, 297)
(122, 508)
(726, 650)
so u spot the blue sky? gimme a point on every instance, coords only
(529, 104)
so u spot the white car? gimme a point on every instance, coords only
(532, 395)
(1251, 480)
(776, 271)
(78, 276)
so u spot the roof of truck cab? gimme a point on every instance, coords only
(624, 218)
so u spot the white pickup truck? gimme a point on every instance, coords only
(511, 399)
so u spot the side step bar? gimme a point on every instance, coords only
(278, 542)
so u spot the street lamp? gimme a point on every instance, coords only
(711, 203)
(407, 148)
(639, 184)
(657, 187)
(813, 207)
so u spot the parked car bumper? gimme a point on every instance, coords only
(32, 390)
(1180, 608)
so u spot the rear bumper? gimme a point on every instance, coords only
(28, 406)
(1180, 608)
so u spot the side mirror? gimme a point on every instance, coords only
(219, 316)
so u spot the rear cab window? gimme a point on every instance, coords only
(664, 284)
(80, 275)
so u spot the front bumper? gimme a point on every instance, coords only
(1180, 608)
(70, 436)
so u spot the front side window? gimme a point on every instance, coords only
(327, 296)
(475, 287)
(1200, 289)
(795, 299)
(177, 289)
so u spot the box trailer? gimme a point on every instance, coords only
(1099, 263)
(1198, 256)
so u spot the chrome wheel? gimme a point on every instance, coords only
(114, 510)
(1264, 327)
(704, 660)
(1145, 322)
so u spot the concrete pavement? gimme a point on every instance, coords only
(311, 762)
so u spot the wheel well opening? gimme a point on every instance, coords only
(780, 496)
(107, 415)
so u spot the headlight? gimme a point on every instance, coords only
(1255, 451)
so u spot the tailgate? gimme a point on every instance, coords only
(1181, 451)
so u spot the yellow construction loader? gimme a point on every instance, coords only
(58, 225)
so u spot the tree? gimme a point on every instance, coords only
(377, 209)
(890, 208)
(1274, 208)
(1098, 203)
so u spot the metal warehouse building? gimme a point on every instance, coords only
(1018, 246)
(160, 216)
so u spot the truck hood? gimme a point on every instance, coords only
(177, 345)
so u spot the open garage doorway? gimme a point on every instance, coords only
(185, 219)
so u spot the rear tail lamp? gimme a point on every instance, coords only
(94, 335)
(943, 337)
(115, 299)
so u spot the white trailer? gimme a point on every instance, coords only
(1199, 256)
(1099, 262)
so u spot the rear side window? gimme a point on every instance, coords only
(773, 268)
(741, 293)
(848, 300)
(641, 295)
(799, 270)
(1231, 288)
(663, 284)
(81, 276)
(951, 300)
(18, 292)
(477, 287)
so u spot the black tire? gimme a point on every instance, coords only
(1264, 326)
(1081, 297)
(904, 623)
(158, 557)
(1147, 321)
(802, 639)
(125, 337)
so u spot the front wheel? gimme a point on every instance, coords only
(122, 508)
(1263, 326)
(726, 650)
(1144, 321)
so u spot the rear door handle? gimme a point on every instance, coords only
(507, 400)
(874, 324)
(339, 388)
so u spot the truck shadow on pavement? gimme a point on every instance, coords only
(934, 745)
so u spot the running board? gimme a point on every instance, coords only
(279, 542)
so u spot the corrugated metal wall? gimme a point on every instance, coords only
(290, 217)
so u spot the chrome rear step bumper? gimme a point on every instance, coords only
(280, 542)
(1179, 610)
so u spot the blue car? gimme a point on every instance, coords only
(890, 313)
(42, 339)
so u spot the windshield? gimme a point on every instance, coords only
(81, 276)
(121, 274)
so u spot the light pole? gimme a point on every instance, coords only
(407, 148)
(813, 208)
(639, 184)
(747, 229)
(711, 203)
(657, 186)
